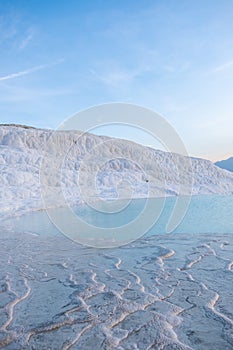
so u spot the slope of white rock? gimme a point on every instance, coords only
(95, 166)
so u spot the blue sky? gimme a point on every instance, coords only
(173, 56)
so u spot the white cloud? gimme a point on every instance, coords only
(21, 73)
(114, 78)
(11, 94)
(224, 66)
(216, 123)
(26, 41)
(28, 71)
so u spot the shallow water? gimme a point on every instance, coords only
(163, 291)
(206, 214)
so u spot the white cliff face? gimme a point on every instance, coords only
(95, 166)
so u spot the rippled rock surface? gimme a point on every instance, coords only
(160, 292)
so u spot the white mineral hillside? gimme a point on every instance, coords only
(94, 166)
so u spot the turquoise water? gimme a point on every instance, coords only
(164, 291)
(206, 214)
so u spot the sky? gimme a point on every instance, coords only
(175, 57)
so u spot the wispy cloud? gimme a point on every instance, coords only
(216, 123)
(26, 41)
(28, 71)
(13, 94)
(22, 73)
(224, 66)
(114, 78)
(113, 74)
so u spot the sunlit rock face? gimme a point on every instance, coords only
(97, 167)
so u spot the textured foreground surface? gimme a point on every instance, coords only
(160, 292)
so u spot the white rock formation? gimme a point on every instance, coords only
(94, 166)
